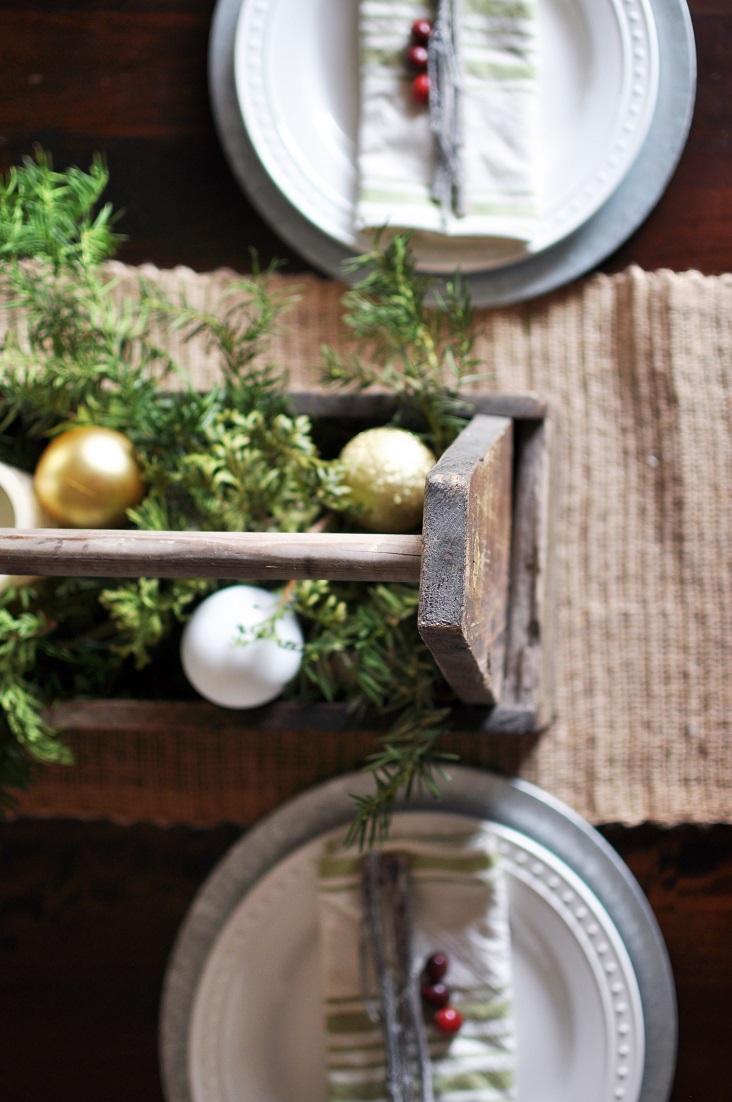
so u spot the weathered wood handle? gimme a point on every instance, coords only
(255, 556)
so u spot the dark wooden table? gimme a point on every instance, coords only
(89, 911)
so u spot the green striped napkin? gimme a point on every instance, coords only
(497, 44)
(460, 907)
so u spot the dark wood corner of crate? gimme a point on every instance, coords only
(487, 587)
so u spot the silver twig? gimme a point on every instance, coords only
(386, 952)
(445, 107)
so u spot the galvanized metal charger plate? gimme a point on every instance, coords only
(511, 804)
(572, 256)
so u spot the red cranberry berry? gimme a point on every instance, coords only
(417, 58)
(421, 31)
(436, 966)
(448, 1020)
(435, 994)
(421, 88)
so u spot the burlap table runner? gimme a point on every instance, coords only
(640, 366)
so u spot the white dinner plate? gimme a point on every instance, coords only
(257, 1023)
(534, 274)
(595, 1006)
(296, 73)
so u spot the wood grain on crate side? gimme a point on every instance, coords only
(463, 606)
(531, 645)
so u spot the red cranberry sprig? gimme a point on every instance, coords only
(436, 966)
(448, 1020)
(421, 31)
(416, 60)
(436, 994)
(421, 89)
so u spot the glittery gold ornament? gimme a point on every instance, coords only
(385, 469)
(87, 478)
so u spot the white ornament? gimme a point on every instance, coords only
(231, 667)
(20, 508)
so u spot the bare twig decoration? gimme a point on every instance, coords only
(410, 1003)
(446, 122)
(387, 953)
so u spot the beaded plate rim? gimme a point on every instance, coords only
(571, 258)
(473, 792)
(549, 880)
(305, 184)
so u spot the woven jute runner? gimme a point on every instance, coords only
(640, 366)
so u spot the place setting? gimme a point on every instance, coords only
(568, 124)
(556, 983)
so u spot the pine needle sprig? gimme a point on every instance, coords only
(410, 338)
(239, 330)
(357, 636)
(144, 612)
(255, 472)
(406, 762)
(21, 632)
(52, 215)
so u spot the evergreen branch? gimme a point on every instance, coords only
(50, 215)
(22, 711)
(77, 351)
(411, 339)
(239, 330)
(144, 610)
(406, 762)
(21, 632)
(357, 638)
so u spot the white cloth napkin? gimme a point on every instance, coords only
(460, 908)
(497, 48)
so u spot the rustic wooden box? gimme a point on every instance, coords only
(499, 655)
(170, 757)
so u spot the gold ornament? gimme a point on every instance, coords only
(385, 469)
(87, 478)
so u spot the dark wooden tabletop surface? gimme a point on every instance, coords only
(89, 911)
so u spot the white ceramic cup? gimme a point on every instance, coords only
(20, 508)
